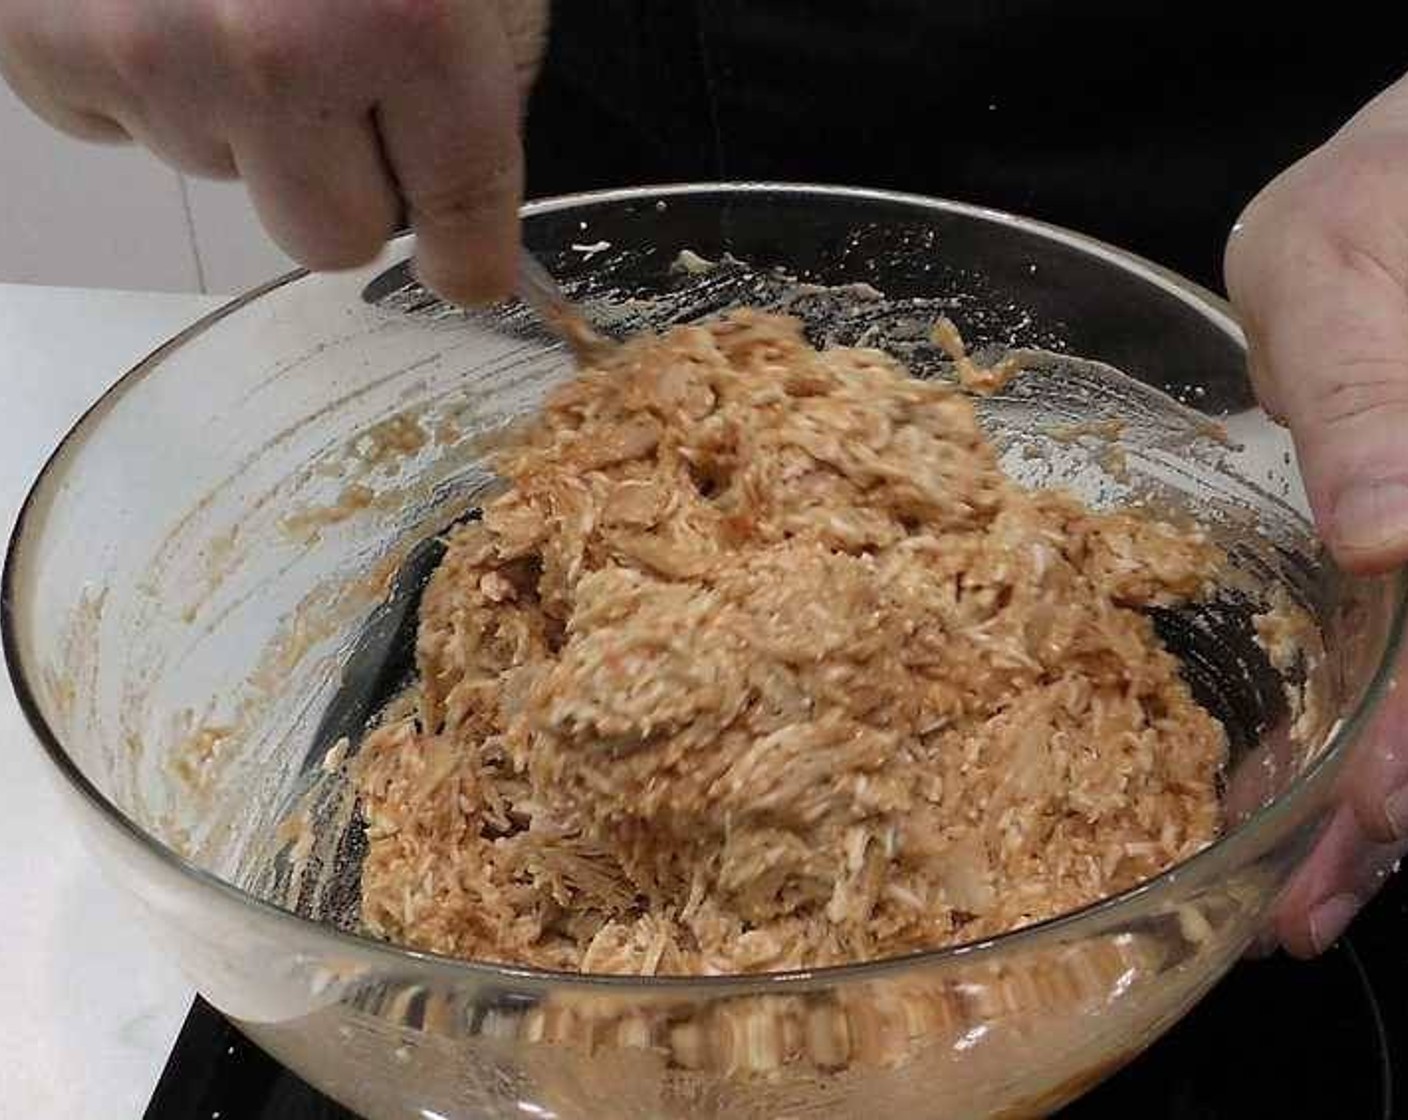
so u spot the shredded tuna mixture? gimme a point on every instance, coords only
(762, 662)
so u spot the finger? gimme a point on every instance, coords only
(84, 124)
(450, 132)
(145, 69)
(107, 62)
(184, 145)
(322, 191)
(1342, 357)
(1321, 275)
(1343, 871)
(1375, 782)
(81, 125)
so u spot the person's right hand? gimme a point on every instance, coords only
(342, 116)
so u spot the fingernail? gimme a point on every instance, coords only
(1330, 919)
(1396, 813)
(1372, 516)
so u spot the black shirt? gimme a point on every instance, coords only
(1147, 124)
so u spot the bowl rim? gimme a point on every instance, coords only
(1268, 824)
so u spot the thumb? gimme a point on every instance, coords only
(1319, 272)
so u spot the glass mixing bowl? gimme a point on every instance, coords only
(214, 581)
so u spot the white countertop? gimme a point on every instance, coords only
(88, 1007)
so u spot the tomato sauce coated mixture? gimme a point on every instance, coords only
(762, 662)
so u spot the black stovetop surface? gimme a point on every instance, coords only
(1328, 1038)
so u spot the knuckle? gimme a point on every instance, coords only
(1365, 259)
(207, 159)
(1363, 386)
(336, 257)
(1335, 222)
(334, 250)
(1348, 202)
(463, 200)
(266, 47)
(344, 243)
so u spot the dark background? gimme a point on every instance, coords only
(1148, 124)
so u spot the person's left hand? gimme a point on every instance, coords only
(1317, 268)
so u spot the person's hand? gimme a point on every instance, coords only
(1318, 270)
(342, 116)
